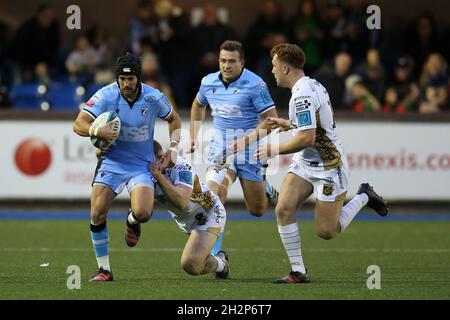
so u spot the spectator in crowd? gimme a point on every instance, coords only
(356, 32)
(36, 41)
(373, 73)
(209, 35)
(362, 99)
(434, 84)
(175, 34)
(421, 39)
(152, 76)
(269, 21)
(82, 62)
(434, 71)
(333, 78)
(307, 33)
(402, 94)
(436, 100)
(106, 48)
(5, 71)
(103, 44)
(280, 96)
(41, 74)
(143, 25)
(334, 29)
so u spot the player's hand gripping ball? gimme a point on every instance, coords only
(109, 116)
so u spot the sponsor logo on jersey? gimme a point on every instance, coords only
(150, 98)
(183, 167)
(304, 118)
(244, 82)
(144, 111)
(90, 103)
(328, 189)
(302, 103)
(226, 110)
(236, 91)
(134, 134)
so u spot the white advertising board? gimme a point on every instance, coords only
(404, 161)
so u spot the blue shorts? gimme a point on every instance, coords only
(244, 165)
(118, 181)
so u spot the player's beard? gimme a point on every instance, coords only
(131, 92)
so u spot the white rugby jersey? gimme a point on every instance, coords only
(309, 108)
(202, 199)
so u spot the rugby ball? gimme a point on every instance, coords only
(101, 120)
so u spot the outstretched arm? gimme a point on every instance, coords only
(264, 128)
(300, 141)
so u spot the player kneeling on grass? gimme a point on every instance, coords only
(196, 210)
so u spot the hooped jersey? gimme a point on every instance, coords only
(310, 107)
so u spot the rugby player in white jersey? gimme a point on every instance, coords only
(319, 164)
(196, 210)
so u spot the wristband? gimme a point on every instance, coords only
(173, 149)
(175, 141)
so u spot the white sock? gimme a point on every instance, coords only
(103, 262)
(350, 210)
(131, 218)
(290, 236)
(220, 264)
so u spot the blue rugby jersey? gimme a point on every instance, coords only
(236, 106)
(133, 149)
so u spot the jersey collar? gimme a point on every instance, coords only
(297, 84)
(227, 84)
(131, 103)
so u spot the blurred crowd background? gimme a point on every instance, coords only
(401, 69)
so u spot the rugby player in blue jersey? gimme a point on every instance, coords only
(240, 102)
(127, 160)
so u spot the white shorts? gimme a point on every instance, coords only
(212, 221)
(329, 185)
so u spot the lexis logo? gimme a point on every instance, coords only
(33, 157)
(134, 134)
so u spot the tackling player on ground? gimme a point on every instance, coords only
(127, 160)
(196, 210)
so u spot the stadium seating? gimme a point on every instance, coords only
(28, 95)
(66, 96)
(92, 89)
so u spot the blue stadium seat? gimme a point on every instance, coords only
(66, 96)
(28, 95)
(92, 89)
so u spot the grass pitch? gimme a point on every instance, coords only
(414, 258)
